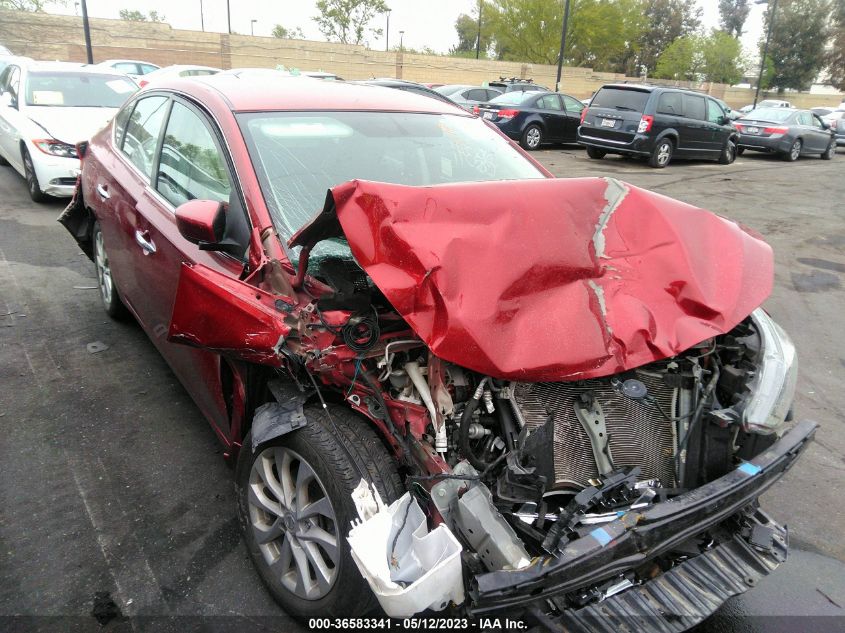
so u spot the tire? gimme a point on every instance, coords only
(112, 303)
(317, 445)
(830, 152)
(596, 153)
(728, 154)
(532, 138)
(32, 178)
(794, 152)
(661, 155)
(740, 151)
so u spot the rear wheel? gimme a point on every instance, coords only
(531, 137)
(662, 154)
(32, 178)
(596, 153)
(728, 154)
(295, 509)
(794, 152)
(108, 291)
(830, 152)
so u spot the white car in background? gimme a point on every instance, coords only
(133, 67)
(45, 110)
(175, 71)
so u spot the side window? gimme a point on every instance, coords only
(120, 121)
(671, 103)
(572, 104)
(147, 68)
(142, 131)
(804, 118)
(714, 112)
(126, 67)
(4, 78)
(817, 122)
(476, 94)
(694, 107)
(548, 102)
(15, 81)
(191, 165)
(492, 93)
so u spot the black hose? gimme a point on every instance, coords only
(466, 420)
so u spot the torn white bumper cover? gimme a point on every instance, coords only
(408, 568)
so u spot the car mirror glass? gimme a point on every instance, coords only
(202, 222)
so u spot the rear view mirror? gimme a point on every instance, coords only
(202, 222)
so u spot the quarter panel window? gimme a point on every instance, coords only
(191, 165)
(120, 121)
(572, 104)
(548, 102)
(142, 132)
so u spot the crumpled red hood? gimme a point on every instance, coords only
(552, 279)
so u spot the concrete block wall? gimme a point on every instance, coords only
(59, 37)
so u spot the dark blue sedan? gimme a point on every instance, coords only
(535, 117)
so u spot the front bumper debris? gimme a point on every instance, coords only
(638, 537)
(685, 595)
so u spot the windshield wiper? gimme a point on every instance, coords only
(625, 108)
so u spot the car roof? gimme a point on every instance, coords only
(246, 94)
(72, 67)
(125, 61)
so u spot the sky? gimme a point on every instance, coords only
(424, 22)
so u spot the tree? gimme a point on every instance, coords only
(797, 48)
(682, 59)
(133, 15)
(467, 28)
(30, 5)
(732, 15)
(346, 20)
(604, 34)
(667, 21)
(525, 30)
(288, 34)
(722, 55)
(836, 57)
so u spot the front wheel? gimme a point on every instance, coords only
(596, 153)
(295, 509)
(728, 154)
(794, 152)
(32, 178)
(830, 152)
(531, 137)
(662, 154)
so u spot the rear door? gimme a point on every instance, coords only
(716, 118)
(614, 114)
(816, 139)
(695, 135)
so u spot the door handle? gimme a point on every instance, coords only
(104, 193)
(146, 244)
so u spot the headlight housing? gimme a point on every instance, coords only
(55, 148)
(773, 385)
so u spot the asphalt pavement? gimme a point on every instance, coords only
(115, 500)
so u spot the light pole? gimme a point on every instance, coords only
(202, 17)
(228, 17)
(562, 44)
(252, 27)
(478, 39)
(87, 30)
(774, 8)
(387, 33)
(401, 34)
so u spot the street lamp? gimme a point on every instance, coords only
(774, 8)
(387, 33)
(478, 41)
(86, 29)
(562, 44)
(401, 34)
(202, 18)
(252, 27)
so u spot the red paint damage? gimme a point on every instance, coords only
(551, 279)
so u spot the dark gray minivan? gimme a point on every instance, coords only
(657, 122)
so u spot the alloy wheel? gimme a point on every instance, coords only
(29, 170)
(533, 138)
(663, 154)
(101, 262)
(294, 522)
(795, 152)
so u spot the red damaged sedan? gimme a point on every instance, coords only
(449, 381)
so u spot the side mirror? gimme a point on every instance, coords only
(202, 222)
